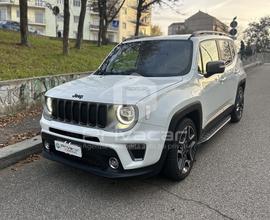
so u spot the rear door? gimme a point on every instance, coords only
(212, 96)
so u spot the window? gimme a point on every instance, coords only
(77, 3)
(124, 25)
(60, 2)
(150, 59)
(3, 14)
(76, 19)
(200, 66)
(39, 17)
(94, 36)
(60, 18)
(232, 50)
(95, 21)
(111, 37)
(39, 2)
(125, 11)
(225, 51)
(143, 31)
(18, 13)
(209, 52)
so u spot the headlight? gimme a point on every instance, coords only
(125, 114)
(49, 105)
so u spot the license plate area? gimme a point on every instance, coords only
(68, 148)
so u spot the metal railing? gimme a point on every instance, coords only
(110, 28)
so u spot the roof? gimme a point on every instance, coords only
(178, 37)
(207, 15)
(169, 37)
(177, 23)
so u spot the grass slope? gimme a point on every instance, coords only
(44, 57)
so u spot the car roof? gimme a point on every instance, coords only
(179, 37)
(169, 37)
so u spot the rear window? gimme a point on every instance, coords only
(225, 51)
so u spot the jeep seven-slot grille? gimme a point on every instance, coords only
(83, 113)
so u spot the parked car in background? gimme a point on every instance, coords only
(15, 26)
(10, 25)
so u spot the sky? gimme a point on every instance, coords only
(246, 11)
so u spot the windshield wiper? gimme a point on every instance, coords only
(125, 73)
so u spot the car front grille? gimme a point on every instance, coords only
(81, 113)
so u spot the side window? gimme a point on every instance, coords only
(200, 67)
(225, 51)
(209, 52)
(232, 50)
(125, 59)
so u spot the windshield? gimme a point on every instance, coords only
(150, 59)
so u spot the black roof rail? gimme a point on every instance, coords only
(135, 38)
(199, 33)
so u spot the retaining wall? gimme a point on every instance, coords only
(18, 94)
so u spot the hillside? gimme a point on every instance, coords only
(44, 57)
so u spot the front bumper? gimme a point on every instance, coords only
(149, 135)
(95, 160)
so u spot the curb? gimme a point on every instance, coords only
(252, 65)
(14, 153)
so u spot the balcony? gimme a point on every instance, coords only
(37, 21)
(31, 4)
(142, 23)
(111, 28)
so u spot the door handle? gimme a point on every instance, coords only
(222, 80)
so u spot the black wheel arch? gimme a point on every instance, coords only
(192, 111)
(242, 84)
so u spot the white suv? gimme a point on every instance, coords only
(147, 107)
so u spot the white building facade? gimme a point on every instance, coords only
(42, 19)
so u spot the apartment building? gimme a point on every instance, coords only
(9, 10)
(127, 17)
(197, 22)
(41, 18)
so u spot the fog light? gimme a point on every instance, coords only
(113, 163)
(47, 145)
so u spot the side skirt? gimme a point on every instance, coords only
(217, 124)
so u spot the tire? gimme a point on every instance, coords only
(181, 154)
(237, 112)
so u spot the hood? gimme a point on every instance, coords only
(112, 89)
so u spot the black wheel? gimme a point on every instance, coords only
(182, 151)
(239, 106)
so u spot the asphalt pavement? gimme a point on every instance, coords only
(230, 179)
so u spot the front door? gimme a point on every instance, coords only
(212, 96)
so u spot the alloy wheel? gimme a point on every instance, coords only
(186, 149)
(240, 103)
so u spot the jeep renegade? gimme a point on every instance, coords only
(147, 107)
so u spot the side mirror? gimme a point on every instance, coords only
(214, 67)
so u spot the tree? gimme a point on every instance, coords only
(145, 5)
(108, 10)
(81, 24)
(156, 30)
(258, 34)
(66, 27)
(24, 22)
(248, 51)
(242, 49)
